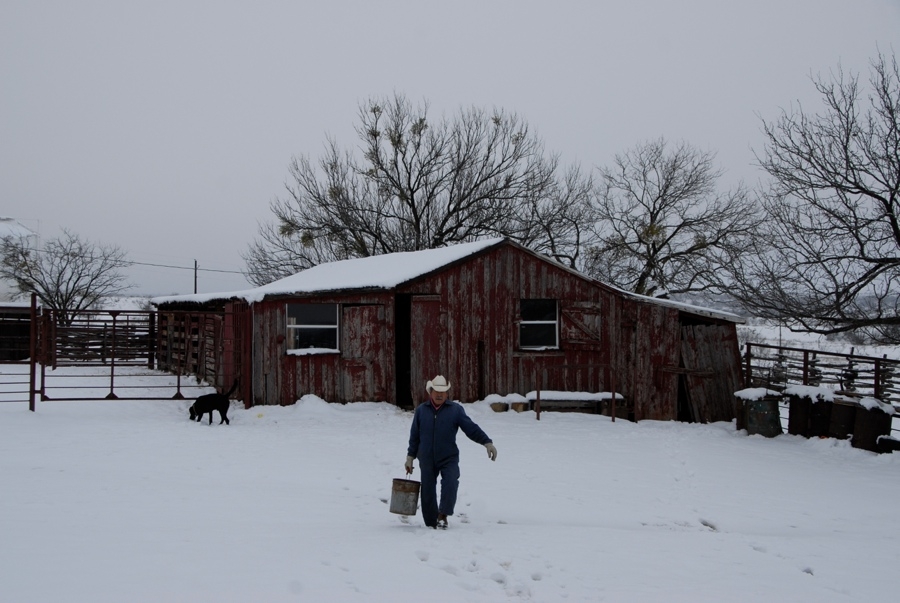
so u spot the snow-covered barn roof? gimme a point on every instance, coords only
(691, 308)
(391, 270)
(374, 272)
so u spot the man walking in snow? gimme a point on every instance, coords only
(432, 439)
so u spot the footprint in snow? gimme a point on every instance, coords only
(451, 570)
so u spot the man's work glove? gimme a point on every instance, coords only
(409, 465)
(492, 452)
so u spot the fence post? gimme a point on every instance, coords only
(112, 359)
(877, 378)
(151, 340)
(32, 358)
(748, 380)
(805, 368)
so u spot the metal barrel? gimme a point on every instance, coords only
(404, 496)
(843, 417)
(763, 417)
(798, 415)
(870, 424)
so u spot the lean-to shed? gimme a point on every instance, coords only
(494, 317)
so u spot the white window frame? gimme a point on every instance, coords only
(555, 323)
(293, 327)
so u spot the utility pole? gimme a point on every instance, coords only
(195, 277)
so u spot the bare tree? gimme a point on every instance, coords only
(662, 227)
(830, 256)
(559, 225)
(68, 275)
(419, 184)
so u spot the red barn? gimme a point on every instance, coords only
(494, 317)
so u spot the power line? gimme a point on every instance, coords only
(194, 268)
(128, 263)
(197, 269)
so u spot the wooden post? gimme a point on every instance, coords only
(151, 340)
(614, 347)
(805, 368)
(877, 377)
(749, 372)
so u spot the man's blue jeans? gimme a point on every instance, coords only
(449, 474)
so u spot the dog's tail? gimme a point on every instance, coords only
(233, 387)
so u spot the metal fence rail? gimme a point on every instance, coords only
(849, 375)
(776, 367)
(119, 354)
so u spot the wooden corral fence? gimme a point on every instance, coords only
(851, 376)
(776, 367)
(97, 337)
(212, 346)
(119, 351)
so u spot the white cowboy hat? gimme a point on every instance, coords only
(438, 384)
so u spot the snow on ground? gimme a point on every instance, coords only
(130, 501)
(761, 331)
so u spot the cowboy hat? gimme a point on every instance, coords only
(438, 384)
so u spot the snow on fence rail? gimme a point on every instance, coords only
(778, 367)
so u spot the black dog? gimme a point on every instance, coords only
(207, 403)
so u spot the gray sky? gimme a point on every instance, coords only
(167, 127)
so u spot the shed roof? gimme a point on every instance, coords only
(391, 270)
(691, 308)
(374, 272)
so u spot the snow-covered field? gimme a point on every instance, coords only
(759, 331)
(130, 501)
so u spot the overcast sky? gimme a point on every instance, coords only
(167, 127)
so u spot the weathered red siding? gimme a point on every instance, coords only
(463, 322)
(361, 371)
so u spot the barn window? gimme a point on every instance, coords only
(312, 327)
(539, 327)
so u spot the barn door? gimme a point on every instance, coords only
(710, 374)
(363, 354)
(427, 353)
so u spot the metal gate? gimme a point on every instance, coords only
(16, 351)
(124, 354)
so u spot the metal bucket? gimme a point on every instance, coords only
(404, 497)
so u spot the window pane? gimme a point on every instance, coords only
(537, 335)
(538, 309)
(314, 338)
(312, 314)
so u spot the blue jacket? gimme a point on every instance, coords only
(432, 437)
